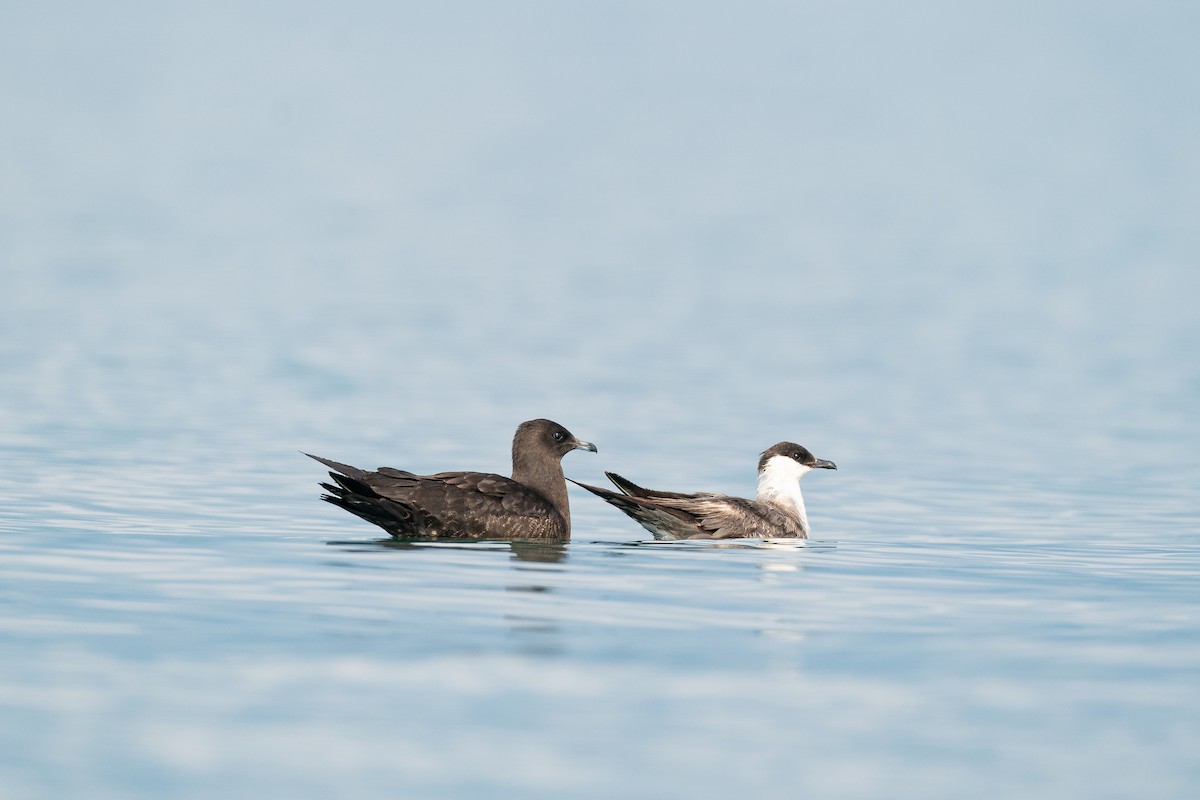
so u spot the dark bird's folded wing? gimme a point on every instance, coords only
(446, 505)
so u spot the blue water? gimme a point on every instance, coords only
(953, 250)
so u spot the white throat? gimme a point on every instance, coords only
(779, 483)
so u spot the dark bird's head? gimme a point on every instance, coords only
(790, 460)
(538, 449)
(540, 438)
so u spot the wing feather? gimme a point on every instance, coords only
(704, 515)
(448, 504)
(633, 490)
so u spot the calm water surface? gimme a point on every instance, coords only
(311, 236)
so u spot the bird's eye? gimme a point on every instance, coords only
(558, 436)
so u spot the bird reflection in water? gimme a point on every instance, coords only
(539, 552)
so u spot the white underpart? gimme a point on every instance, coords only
(779, 483)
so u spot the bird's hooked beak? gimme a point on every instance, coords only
(821, 463)
(582, 445)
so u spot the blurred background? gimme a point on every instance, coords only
(738, 223)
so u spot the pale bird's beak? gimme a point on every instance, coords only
(582, 445)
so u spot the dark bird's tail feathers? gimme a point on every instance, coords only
(345, 469)
(355, 495)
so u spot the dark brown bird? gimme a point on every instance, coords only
(777, 513)
(531, 505)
